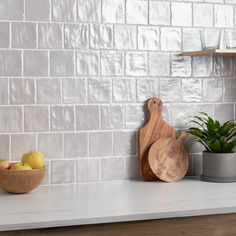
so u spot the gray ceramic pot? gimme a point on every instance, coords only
(219, 167)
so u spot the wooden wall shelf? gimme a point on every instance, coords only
(215, 52)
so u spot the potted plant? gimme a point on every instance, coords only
(219, 140)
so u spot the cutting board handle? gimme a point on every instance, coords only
(155, 107)
(182, 136)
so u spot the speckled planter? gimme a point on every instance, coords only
(219, 167)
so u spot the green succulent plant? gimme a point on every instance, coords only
(215, 137)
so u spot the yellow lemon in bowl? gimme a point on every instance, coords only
(34, 159)
(20, 166)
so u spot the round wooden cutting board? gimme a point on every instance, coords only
(168, 159)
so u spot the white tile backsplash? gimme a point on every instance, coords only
(11, 9)
(37, 12)
(62, 118)
(20, 144)
(36, 118)
(75, 74)
(113, 11)
(50, 35)
(22, 91)
(23, 35)
(88, 170)
(5, 30)
(35, 63)
(89, 10)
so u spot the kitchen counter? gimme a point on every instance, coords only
(81, 204)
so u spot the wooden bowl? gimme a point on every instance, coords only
(21, 181)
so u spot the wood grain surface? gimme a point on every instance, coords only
(168, 159)
(21, 181)
(155, 128)
(214, 225)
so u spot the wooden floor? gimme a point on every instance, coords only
(217, 225)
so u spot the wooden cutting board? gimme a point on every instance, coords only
(168, 159)
(154, 129)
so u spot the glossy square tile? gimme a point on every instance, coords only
(159, 64)
(99, 90)
(112, 169)
(124, 143)
(170, 39)
(88, 170)
(48, 91)
(87, 63)
(191, 39)
(62, 118)
(20, 144)
(224, 66)
(63, 10)
(146, 88)
(75, 145)
(169, 90)
(148, 38)
(134, 116)
(36, 119)
(63, 171)
(22, 91)
(37, 11)
(229, 90)
(191, 90)
(137, 12)
(203, 14)
(101, 36)
(74, 90)
(159, 13)
(23, 35)
(87, 117)
(136, 64)
(50, 35)
(11, 9)
(125, 37)
(124, 90)
(35, 63)
(10, 63)
(181, 14)
(11, 119)
(50, 145)
(89, 10)
(223, 16)
(213, 90)
(224, 112)
(112, 63)
(113, 11)
(62, 63)
(76, 36)
(202, 66)
(181, 66)
(112, 117)
(100, 144)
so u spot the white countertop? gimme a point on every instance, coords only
(79, 204)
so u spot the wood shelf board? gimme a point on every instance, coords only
(216, 52)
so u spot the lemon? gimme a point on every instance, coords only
(20, 166)
(34, 159)
(4, 164)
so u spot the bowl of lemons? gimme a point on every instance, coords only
(24, 176)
